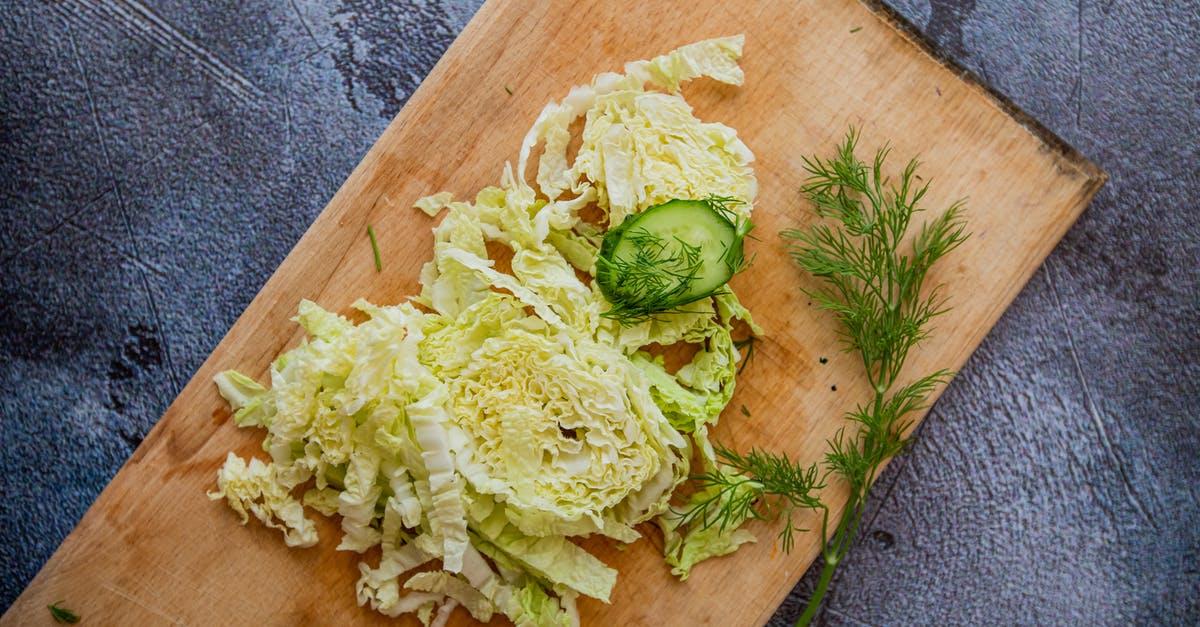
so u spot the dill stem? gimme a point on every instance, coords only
(835, 549)
(810, 612)
(837, 546)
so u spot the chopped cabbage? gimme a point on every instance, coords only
(683, 551)
(500, 414)
(252, 488)
(433, 204)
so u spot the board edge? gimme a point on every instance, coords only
(915, 36)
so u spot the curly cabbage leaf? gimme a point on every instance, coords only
(252, 489)
(684, 550)
(553, 426)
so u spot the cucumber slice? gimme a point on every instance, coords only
(670, 255)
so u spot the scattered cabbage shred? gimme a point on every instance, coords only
(484, 429)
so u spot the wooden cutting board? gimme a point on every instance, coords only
(153, 549)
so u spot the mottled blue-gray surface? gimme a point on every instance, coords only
(160, 157)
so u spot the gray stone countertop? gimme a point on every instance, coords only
(160, 157)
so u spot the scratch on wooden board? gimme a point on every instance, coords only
(138, 602)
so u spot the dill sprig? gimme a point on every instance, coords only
(873, 281)
(734, 257)
(872, 287)
(662, 271)
(749, 343)
(876, 291)
(758, 485)
(61, 614)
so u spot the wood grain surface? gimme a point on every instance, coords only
(154, 550)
